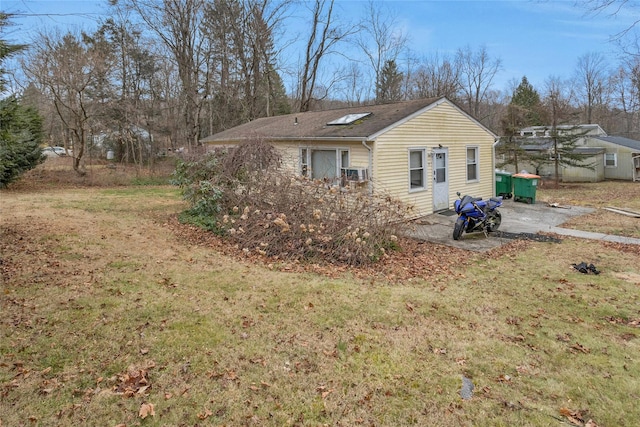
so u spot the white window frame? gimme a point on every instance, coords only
(423, 153)
(304, 159)
(476, 162)
(615, 160)
(303, 162)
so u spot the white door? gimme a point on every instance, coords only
(440, 162)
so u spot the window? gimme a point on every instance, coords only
(610, 160)
(416, 169)
(321, 163)
(344, 159)
(472, 164)
(304, 162)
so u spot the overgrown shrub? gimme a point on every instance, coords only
(246, 197)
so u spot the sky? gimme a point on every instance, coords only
(533, 38)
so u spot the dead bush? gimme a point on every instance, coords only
(244, 195)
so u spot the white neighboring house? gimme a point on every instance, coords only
(613, 157)
(55, 151)
(621, 157)
(101, 141)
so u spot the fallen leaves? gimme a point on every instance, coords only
(324, 391)
(579, 348)
(146, 409)
(206, 414)
(576, 418)
(134, 382)
(616, 320)
(415, 259)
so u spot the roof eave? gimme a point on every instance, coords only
(296, 138)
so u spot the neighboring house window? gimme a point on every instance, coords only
(416, 169)
(472, 164)
(610, 160)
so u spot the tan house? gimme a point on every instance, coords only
(611, 157)
(621, 156)
(421, 151)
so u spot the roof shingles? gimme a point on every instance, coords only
(313, 124)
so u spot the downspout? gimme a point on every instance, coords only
(493, 165)
(370, 166)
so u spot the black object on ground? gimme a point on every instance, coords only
(585, 268)
(526, 236)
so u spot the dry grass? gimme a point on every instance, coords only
(620, 194)
(106, 308)
(57, 172)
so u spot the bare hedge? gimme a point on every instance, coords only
(244, 195)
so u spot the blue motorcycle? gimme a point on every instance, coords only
(475, 214)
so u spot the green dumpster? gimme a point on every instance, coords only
(524, 187)
(504, 184)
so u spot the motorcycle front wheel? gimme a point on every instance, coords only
(458, 228)
(494, 221)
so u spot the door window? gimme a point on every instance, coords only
(440, 168)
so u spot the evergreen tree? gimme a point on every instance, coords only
(389, 86)
(563, 151)
(20, 127)
(528, 99)
(20, 137)
(510, 147)
(525, 109)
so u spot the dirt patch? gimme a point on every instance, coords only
(629, 277)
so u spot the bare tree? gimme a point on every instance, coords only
(380, 38)
(436, 76)
(477, 71)
(73, 72)
(624, 85)
(613, 8)
(590, 81)
(323, 37)
(177, 24)
(352, 89)
(130, 107)
(245, 83)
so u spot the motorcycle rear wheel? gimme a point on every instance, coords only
(494, 221)
(458, 228)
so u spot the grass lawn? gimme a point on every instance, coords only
(114, 315)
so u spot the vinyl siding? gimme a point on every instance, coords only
(577, 174)
(290, 152)
(624, 168)
(442, 125)
(358, 154)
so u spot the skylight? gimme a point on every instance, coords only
(348, 119)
